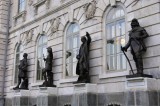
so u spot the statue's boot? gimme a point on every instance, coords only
(17, 87)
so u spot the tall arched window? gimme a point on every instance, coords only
(41, 53)
(115, 34)
(19, 56)
(72, 47)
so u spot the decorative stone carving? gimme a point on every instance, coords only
(35, 10)
(30, 2)
(55, 25)
(113, 2)
(90, 9)
(47, 4)
(27, 37)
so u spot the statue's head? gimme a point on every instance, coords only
(25, 55)
(49, 49)
(83, 39)
(134, 23)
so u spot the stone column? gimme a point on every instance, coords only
(84, 95)
(20, 98)
(141, 91)
(48, 96)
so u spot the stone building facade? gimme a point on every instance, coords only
(30, 26)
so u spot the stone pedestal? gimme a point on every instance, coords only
(141, 83)
(20, 98)
(141, 91)
(84, 95)
(47, 96)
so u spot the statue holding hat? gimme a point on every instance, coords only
(137, 45)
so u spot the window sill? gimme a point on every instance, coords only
(68, 80)
(21, 14)
(39, 3)
(36, 85)
(107, 75)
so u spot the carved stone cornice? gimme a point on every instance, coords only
(43, 16)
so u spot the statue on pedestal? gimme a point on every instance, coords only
(138, 47)
(82, 68)
(47, 71)
(22, 75)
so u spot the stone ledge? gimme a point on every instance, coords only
(141, 83)
(113, 74)
(39, 3)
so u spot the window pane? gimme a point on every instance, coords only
(75, 42)
(75, 28)
(23, 6)
(124, 62)
(69, 31)
(118, 29)
(44, 39)
(111, 15)
(44, 51)
(17, 58)
(21, 56)
(118, 46)
(69, 43)
(122, 12)
(72, 44)
(111, 62)
(118, 13)
(16, 74)
(69, 69)
(75, 53)
(118, 62)
(123, 28)
(115, 29)
(40, 41)
(74, 68)
(69, 59)
(39, 52)
(39, 66)
(110, 31)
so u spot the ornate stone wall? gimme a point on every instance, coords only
(90, 15)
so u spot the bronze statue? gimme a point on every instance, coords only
(136, 42)
(82, 68)
(22, 75)
(47, 71)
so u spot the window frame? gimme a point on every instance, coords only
(15, 81)
(65, 47)
(106, 13)
(20, 4)
(37, 47)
